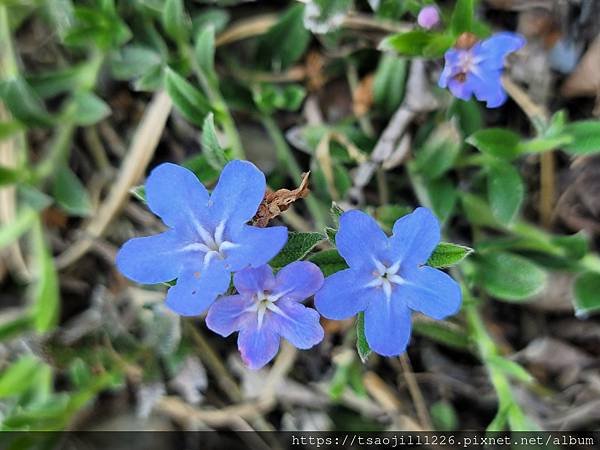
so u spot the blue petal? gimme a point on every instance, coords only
(415, 236)
(298, 324)
(451, 67)
(250, 281)
(494, 49)
(152, 259)
(431, 292)
(488, 88)
(195, 291)
(298, 280)
(388, 325)
(176, 195)
(360, 240)
(462, 89)
(235, 199)
(228, 314)
(257, 346)
(345, 293)
(255, 246)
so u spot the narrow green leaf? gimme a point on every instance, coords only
(23, 103)
(70, 193)
(297, 247)
(437, 155)
(12, 231)
(411, 43)
(139, 192)
(362, 346)
(188, 100)
(175, 20)
(462, 17)
(205, 51)
(9, 175)
(214, 153)
(505, 191)
(444, 416)
(586, 137)
(587, 294)
(510, 277)
(496, 142)
(438, 45)
(46, 294)
(7, 129)
(389, 82)
(511, 368)
(14, 327)
(133, 61)
(19, 376)
(89, 109)
(447, 254)
(329, 261)
(442, 333)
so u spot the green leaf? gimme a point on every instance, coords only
(139, 192)
(440, 150)
(212, 150)
(411, 43)
(438, 45)
(14, 327)
(511, 368)
(54, 82)
(46, 294)
(586, 137)
(9, 175)
(322, 16)
(477, 210)
(7, 129)
(587, 294)
(362, 346)
(70, 193)
(285, 42)
(496, 142)
(134, 61)
(205, 51)
(214, 17)
(447, 254)
(444, 416)
(443, 195)
(329, 261)
(510, 277)
(442, 333)
(505, 191)
(19, 376)
(188, 100)
(13, 230)
(469, 115)
(270, 97)
(89, 109)
(462, 17)
(389, 82)
(175, 20)
(297, 247)
(544, 144)
(23, 103)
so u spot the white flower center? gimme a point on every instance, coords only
(385, 276)
(266, 301)
(213, 245)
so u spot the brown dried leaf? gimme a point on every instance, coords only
(277, 202)
(362, 97)
(585, 80)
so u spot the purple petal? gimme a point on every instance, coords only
(298, 280)
(257, 346)
(360, 240)
(298, 324)
(152, 259)
(255, 246)
(344, 294)
(461, 89)
(415, 236)
(451, 67)
(195, 291)
(176, 195)
(495, 49)
(238, 193)
(428, 17)
(228, 314)
(250, 281)
(388, 325)
(431, 292)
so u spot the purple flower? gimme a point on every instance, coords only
(428, 17)
(268, 307)
(207, 236)
(477, 69)
(387, 278)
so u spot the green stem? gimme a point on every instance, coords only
(8, 63)
(286, 157)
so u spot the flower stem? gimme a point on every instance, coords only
(286, 157)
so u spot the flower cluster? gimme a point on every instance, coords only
(475, 67)
(208, 239)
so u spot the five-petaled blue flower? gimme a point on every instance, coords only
(477, 69)
(388, 278)
(267, 307)
(208, 237)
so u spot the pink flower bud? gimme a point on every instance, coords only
(428, 17)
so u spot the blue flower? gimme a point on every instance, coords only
(477, 69)
(207, 237)
(268, 307)
(387, 278)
